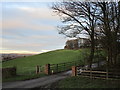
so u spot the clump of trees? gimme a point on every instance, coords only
(77, 43)
(99, 20)
(71, 44)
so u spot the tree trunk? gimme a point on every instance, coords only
(91, 50)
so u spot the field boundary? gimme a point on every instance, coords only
(77, 71)
(57, 68)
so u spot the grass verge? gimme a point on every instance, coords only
(85, 82)
(23, 77)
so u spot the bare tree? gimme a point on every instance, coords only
(99, 20)
(78, 16)
(109, 23)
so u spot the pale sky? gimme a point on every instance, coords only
(29, 27)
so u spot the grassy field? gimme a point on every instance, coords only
(26, 66)
(85, 82)
(52, 57)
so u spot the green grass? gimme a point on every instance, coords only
(27, 65)
(85, 82)
(52, 57)
(23, 77)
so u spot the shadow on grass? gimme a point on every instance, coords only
(23, 77)
(85, 82)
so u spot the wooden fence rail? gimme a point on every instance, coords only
(94, 74)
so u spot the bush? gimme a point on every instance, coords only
(8, 72)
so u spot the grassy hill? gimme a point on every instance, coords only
(52, 57)
(26, 66)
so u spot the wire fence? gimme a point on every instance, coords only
(56, 68)
(29, 70)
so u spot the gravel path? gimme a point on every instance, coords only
(37, 82)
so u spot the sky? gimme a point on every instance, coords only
(29, 27)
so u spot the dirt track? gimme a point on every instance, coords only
(44, 81)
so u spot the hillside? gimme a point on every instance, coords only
(29, 63)
(52, 57)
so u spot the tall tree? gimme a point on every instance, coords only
(78, 16)
(109, 19)
(99, 20)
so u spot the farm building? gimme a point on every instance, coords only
(77, 43)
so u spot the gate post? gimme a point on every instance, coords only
(74, 70)
(37, 69)
(47, 69)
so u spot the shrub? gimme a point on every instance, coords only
(8, 72)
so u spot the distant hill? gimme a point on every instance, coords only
(11, 56)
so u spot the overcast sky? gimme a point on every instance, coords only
(29, 27)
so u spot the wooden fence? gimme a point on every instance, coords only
(56, 68)
(76, 71)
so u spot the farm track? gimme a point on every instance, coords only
(40, 82)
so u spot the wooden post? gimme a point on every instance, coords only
(64, 66)
(107, 67)
(107, 74)
(47, 69)
(37, 69)
(57, 68)
(74, 70)
(90, 72)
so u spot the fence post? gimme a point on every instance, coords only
(47, 69)
(74, 70)
(64, 66)
(90, 72)
(57, 68)
(37, 69)
(75, 63)
(107, 67)
(107, 73)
